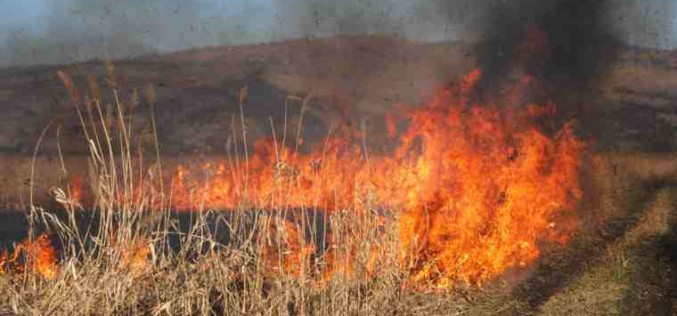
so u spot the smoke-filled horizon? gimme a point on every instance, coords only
(63, 31)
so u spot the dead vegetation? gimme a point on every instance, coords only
(128, 262)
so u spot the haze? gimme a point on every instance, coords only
(63, 31)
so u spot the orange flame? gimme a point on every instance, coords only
(43, 257)
(32, 255)
(135, 257)
(284, 248)
(4, 259)
(75, 188)
(477, 186)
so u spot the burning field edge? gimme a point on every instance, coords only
(479, 209)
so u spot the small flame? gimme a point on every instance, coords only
(135, 257)
(37, 256)
(75, 188)
(284, 248)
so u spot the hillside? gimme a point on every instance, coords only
(197, 91)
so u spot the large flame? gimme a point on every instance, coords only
(475, 187)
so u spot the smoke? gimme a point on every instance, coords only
(424, 20)
(316, 18)
(635, 22)
(645, 23)
(576, 36)
(84, 29)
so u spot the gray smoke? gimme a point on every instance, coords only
(424, 20)
(645, 23)
(84, 29)
(636, 22)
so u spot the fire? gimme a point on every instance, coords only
(38, 256)
(490, 192)
(134, 257)
(4, 259)
(284, 248)
(76, 188)
(476, 187)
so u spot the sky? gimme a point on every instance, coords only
(61, 31)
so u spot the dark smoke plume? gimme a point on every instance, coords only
(83, 29)
(577, 45)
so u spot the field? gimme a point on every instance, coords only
(137, 254)
(622, 261)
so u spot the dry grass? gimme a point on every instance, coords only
(126, 263)
(631, 277)
(631, 273)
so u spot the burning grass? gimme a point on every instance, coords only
(471, 193)
(473, 187)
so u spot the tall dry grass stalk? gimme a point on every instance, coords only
(125, 252)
